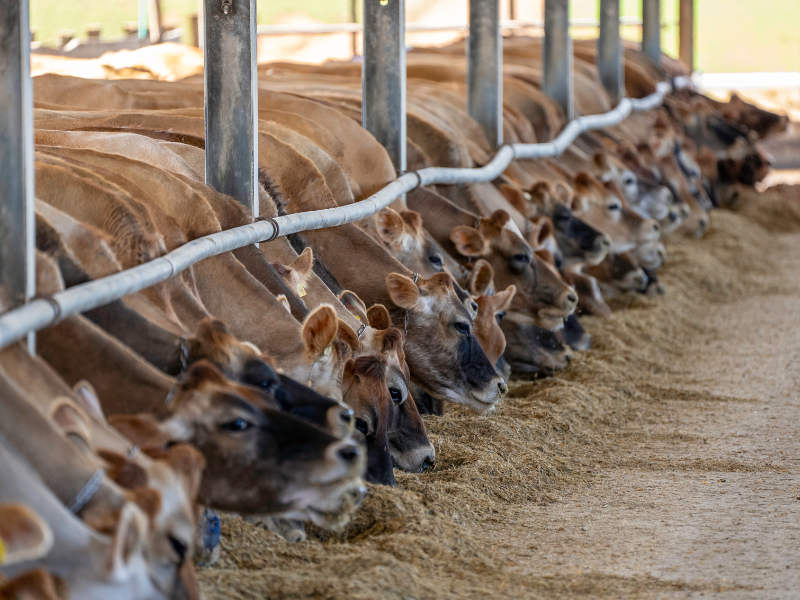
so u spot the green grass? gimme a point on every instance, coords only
(733, 35)
(51, 16)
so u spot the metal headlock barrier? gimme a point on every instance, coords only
(231, 120)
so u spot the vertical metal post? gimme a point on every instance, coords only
(686, 33)
(651, 29)
(485, 68)
(17, 229)
(557, 56)
(231, 103)
(383, 76)
(609, 51)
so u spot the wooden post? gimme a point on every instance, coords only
(354, 35)
(686, 33)
(17, 225)
(154, 20)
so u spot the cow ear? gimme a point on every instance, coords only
(480, 280)
(201, 373)
(413, 219)
(546, 256)
(379, 317)
(498, 219)
(354, 305)
(544, 230)
(583, 181)
(302, 266)
(516, 197)
(123, 472)
(24, 535)
(502, 300)
(128, 540)
(142, 430)
(402, 290)
(441, 282)
(284, 301)
(600, 160)
(391, 226)
(189, 463)
(72, 421)
(563, 191)
(468, 241)
(88, 400)
(347, 335)
(319, 331)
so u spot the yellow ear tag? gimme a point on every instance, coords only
(302, 290)
(327, 350)
(357, 318)
(2, 552)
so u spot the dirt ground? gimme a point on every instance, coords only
(661, 464)
(704, 493)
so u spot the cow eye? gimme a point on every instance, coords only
(267, 385)
(474, 306)
(614, 207)
(462, 327)
(521, 258)
(362, 426)
(396, 394)
(629, 181)
(500, 316)
(435, 260)
(238, 424)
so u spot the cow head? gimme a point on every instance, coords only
(541, 293)
(492, 308)
(244, 363)
(407, 241)
(603, 208)
(577, 240)
(259, 459)
(531, 350)
(444, 357)
(297, 274)
(618, 273)
(366, 391)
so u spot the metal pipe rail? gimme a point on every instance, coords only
(323, 28)
(43, 312)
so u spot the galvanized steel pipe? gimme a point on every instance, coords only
(41, 313)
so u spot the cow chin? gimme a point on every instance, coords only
(332, 510)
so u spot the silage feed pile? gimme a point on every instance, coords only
(432, 536)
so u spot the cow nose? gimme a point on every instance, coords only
(605, 242)
(349, 453)
(568, 357)
(572, 298)
(662, 256)
(360, 494)
(346, 416)
(503, 388)
(685, 210)
(427, 463)
(179, 546)
(703, 225)
(673, 216)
